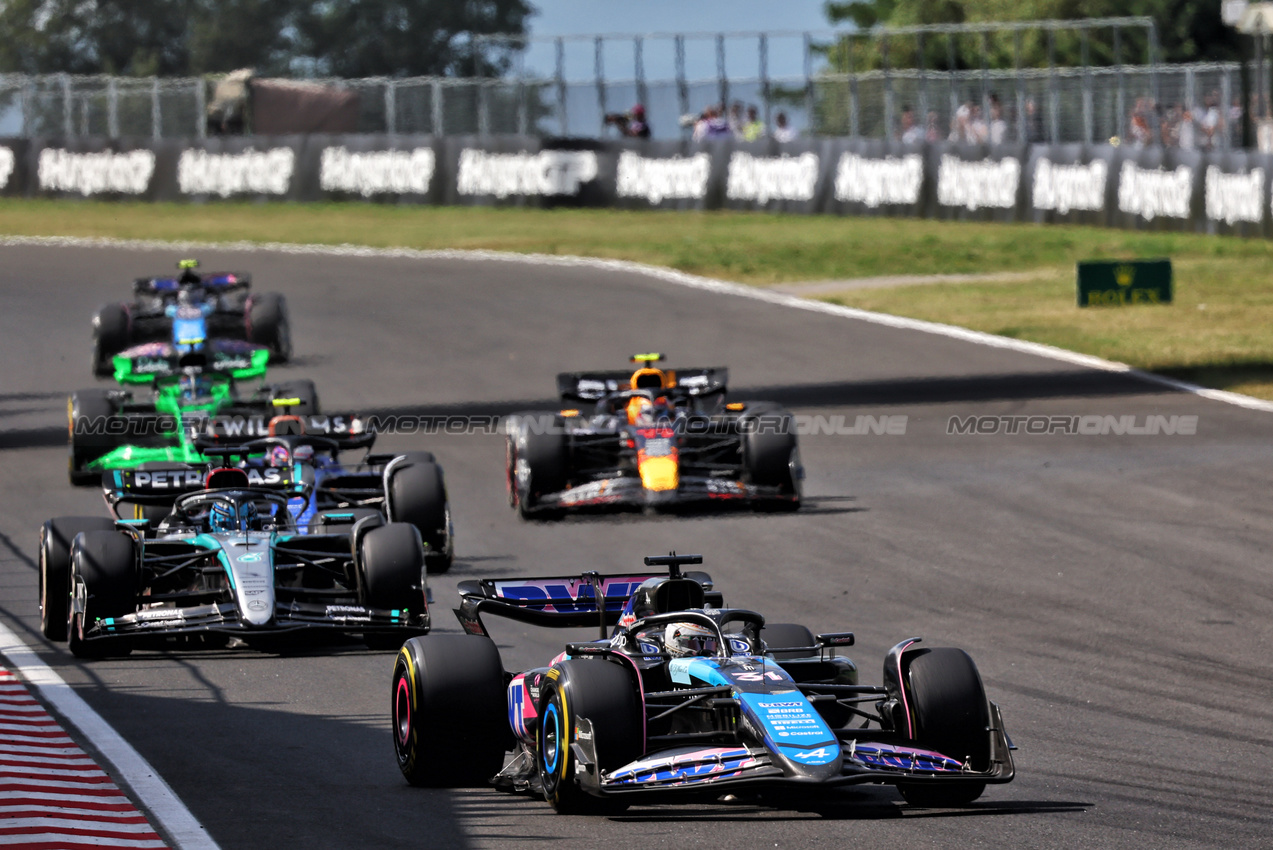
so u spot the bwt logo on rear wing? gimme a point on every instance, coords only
(558, 601)
(568, 595)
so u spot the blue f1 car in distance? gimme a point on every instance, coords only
(684, 699)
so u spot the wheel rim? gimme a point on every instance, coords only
(550, 750)
(402, 711)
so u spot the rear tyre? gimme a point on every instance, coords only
(778, 635)
(771, 455)
(604, 694)
(952, 717)
(305, 394)
(450, 722)
(56, 537)
(540, 467)
(417, 494)
(268, 325)
(110, 336)
(88, 413)
(392, 561)
(105, 563)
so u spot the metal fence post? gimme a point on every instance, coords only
(764, 75)
(156, 122)
(66, 105)
(435, 90)
(888, 89)
(391, 107)
(855, 103)
(951, 77)
(985, 81)
(28, 106)
(1023, 133)
(1120, 98)
(682, 87)
(1153, 62)
(200, 108)
(923, 80)
(112, 108)
(808, 78)
(1088, 122)
(638, 59)
(1053, 93)
(561, 87)
(483, 108)
(723, 81)
(1226, 95)
(599, 72)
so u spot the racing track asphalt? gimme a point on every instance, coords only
(1114, 590)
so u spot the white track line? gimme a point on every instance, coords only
(669, 276)
(147, 786)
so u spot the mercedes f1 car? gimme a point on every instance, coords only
(651, 438)
(685, 699)
(405, 487)
(224, 298)
(228, 560)
(190, 378)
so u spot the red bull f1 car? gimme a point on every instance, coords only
(651, 438)
(685, 699)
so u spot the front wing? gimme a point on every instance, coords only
(223, 618)
(628, 491)
(715, 770)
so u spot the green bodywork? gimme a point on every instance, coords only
(169, 401)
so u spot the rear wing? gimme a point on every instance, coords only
(144, 364)
(594, 386)
(560, 601)
(162, 486)
(222, 281)
(345, 430)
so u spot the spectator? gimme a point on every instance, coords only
(932, 127)
(1170, 130)
(1235, 123)
(998, 127)
(631, 123)
(978, 132)
(1187, 131)
(1033, 122)
(1138, 130)
(754, 129)
(711, 125)
(1210, 123)
(782, 132)
(736, 119)
(909, 133)
(961, 124)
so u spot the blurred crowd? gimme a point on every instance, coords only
(1189, 127)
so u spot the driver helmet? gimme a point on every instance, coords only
(681, 640)
(279, 456)
(226, 516)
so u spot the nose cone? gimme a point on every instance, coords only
(659, 474)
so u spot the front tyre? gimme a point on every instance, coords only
(56, 537)
(604, 694)
(952, 717)
(417, 494)
(111, 333)
(450, 723)
(105, 564)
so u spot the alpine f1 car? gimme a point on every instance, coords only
(405, 487)
(685, 699)
(228, 560)
(224, 298)
(190, 378)
(651, 438)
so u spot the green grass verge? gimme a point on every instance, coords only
(1217, 332)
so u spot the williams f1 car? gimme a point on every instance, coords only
(190, 378)
(225, 299)
(228, 560)
(651, 438)
(685, 699)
